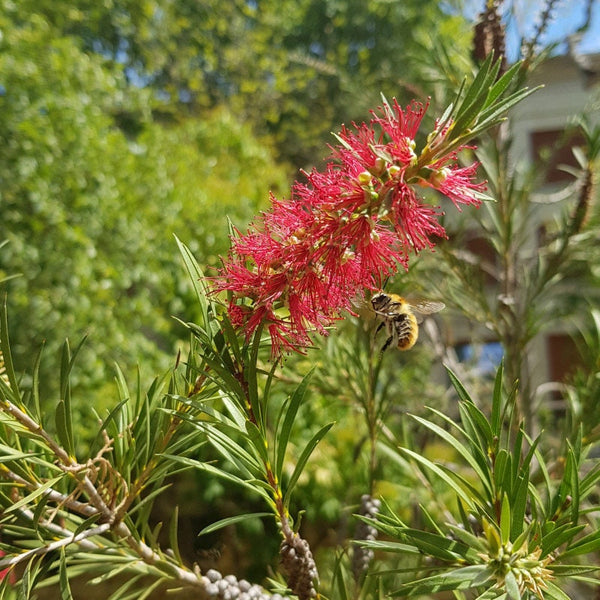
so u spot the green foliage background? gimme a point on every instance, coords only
(93, 188)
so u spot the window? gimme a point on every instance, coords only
(563, 357)
(555, 146)
(483, 359)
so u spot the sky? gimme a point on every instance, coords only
(568, 16)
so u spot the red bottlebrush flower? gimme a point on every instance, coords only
(401, 126)
(344, 230)
(413, 221)
(458, 184)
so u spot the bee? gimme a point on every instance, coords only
(398, 316)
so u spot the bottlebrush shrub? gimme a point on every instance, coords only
(302, 264)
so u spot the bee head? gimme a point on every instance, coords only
(379, 301)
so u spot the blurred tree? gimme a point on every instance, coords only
(294, 69)
(89, 210)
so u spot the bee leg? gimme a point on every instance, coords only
(379, 328)
(387, 344)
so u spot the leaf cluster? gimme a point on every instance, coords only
(508, 503)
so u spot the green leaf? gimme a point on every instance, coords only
(222, 439)
(258, 441)
(512, 587)
(501, 467)
(495, 113)
(123, 565)
(86, 524)
(290, 410)
(559, 536)
(237, 414)
(148, 590)
(554, 592)
(590, 481)
(63, 430)
(588, 543)
(495, 419)
(503, 83)
(196, 277)
(64, 410)
(232, 338)
(227, 379)
(457, 579)
(519, 505)
(460, 448)
(35, 388)
(147, 499)
(393, 547)
(435, 545)
(119, 593)
(304, 456)
(6, 353)
(572, 472)
(211, 469)
(38, 519)
(462, 493)
(492, 594)
(505, 520)
(476, 95)
(232, 521)
(479, 420)
(563, 570)
(173, 534)
(339, 580)
(458, 386)
(475, 542)
(65, 589)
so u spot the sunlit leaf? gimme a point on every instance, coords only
(290, 410)
(65, 589)
(232, 521)
(303, 459)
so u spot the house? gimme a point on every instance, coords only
(540, 126)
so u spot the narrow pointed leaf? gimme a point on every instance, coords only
(308, 450)
(5, 349)
(505, 520)
(211, 469)
(589, 543)
(512, 587)
(291, 410)
(259, 443)
(460, 448)
(554, 592)
(433, 544)
(457, 579)
(196, 276)
(458, 386)
(464, 495)
(497, 401)
(65, 589)
(173, 534)
(503, 83)
(232, 521)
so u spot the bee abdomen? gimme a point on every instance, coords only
(406, 331)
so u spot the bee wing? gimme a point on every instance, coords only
(427, 307)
